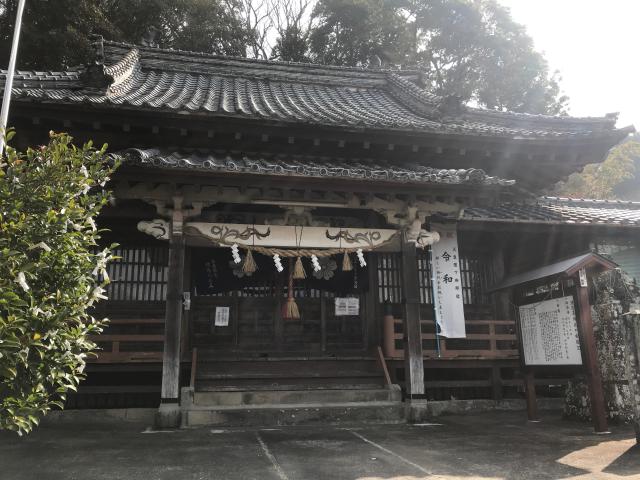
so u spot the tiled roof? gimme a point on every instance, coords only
(555, 210)
(285, 92)
(302, 166)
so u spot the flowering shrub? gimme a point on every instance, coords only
(51, 273)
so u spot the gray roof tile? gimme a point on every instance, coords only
(169, 80)
(561, 211)
(306, 166)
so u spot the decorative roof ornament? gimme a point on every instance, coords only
(451, 106)
(95, 75)
(375, 62)
(149, 39)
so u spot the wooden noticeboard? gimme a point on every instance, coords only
(549, 332)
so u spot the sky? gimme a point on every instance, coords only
(595, 44)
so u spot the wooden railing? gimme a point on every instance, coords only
(498, 342)
(132, 343)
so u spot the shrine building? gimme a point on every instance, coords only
(303, 243)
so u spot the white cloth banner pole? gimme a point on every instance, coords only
(8, 85)
(446, 283)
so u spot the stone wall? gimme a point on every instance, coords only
(614, 295)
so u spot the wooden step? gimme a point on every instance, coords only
(288, 383)
(292, 368)
(212, 387)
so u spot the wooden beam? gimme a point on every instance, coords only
(414, 367)
(590, 357)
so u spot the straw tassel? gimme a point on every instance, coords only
(298, 271)
(290, 310)
(249, 265)
(346, 263)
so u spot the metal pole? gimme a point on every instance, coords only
(8, 86)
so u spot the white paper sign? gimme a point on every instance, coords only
(447, 287)
(347, 306)
(341, 306)
(222, 317)
(550, 333)
(353, 306)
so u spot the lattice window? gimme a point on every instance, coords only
(389, 277)
(475, 272)
(140, 273)
(476, 276)
(424, 277)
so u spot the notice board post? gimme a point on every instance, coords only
(594, 377)
(557, 329)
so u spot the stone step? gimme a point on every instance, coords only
(285, 397)
(294, 414)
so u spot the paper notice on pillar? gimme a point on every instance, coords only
(353, 306)
(447, 287)
(341, 306)
(222, 317)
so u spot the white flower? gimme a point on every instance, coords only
(83, 171)
(86, 188)
(22, 281)
(91, 222)
(98, 293)
(41, 245)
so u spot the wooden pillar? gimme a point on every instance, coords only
(594, 378)
(632, 335)
(496, 383)
(413, 360)
(169, 411)
(530, 392)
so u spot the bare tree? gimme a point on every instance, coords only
(259, 20)
(293, 22)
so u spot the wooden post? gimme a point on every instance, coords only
(413, 360)
(169, 411)
(496, 383)
(530, 392)
(594, 378)
(633, 366)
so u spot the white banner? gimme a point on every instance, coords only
(447, 288)
(550, 333)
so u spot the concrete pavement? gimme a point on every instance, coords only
(482, 446)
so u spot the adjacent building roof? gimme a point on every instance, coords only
(155, 79)
(567, 267)
(555, 210)
(307, 166)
